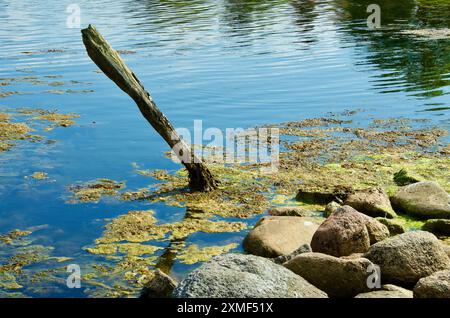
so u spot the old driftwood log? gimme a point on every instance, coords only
(110, 62)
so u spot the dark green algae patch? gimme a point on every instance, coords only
(320, 155)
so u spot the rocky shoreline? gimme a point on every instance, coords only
(360, 250)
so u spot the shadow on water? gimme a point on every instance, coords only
(417, 66)
(305, 16)
(167, 259)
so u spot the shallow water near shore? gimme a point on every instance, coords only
(229, 63)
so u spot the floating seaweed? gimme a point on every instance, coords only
(8, 238)
(12, 131)
(93, 191)
(194, 254)
(39, 175)
(141, 226)
(21, 265)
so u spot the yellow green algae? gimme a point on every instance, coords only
(39, 175)
(22, 262)
(64, 120)
(194, 254)
(9, 238)
(142, 226)
(93, 191)
(14, 127)
(121, 276)
(130, 249)
(11, 131)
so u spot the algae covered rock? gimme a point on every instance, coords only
(274, 236)
(406, 258)
(403, 177)
(425, 200)
(323, 196)
(436, 285)
(314, 197)
(289, 211)
(437, 226)
(331, 207)
(244, 276)
(394, 226)
(387, 291)
(346, 232)
(337, 277)
(373, 202)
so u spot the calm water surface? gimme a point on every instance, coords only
(230, 63)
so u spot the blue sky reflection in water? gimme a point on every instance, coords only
(229, 63)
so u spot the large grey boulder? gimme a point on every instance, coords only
(437, 226)
(274, 236)
(338, 277)
(347, 231)
(406, 258)
(373, 202)
(388, 291)
(425, 200)
(244, 276)
(436, 285)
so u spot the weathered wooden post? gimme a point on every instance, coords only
(110, 62)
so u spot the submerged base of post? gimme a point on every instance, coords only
(201, 179)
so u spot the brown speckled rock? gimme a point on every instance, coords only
(347, 231)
